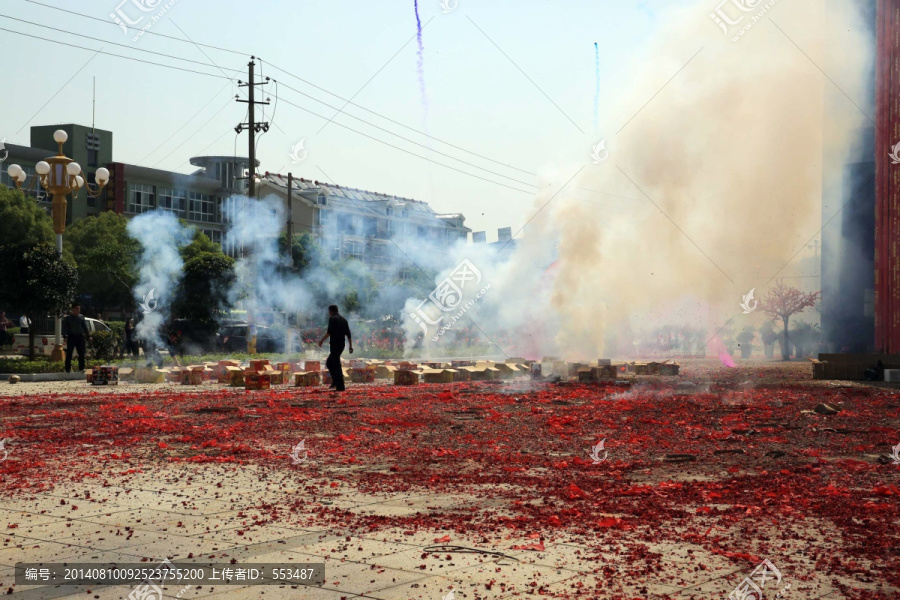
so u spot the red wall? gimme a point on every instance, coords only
(887, 179)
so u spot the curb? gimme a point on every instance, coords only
(32, 377)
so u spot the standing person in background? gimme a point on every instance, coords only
(75, 331)
(4, 325)
(24, 324)
(130, 341)
(338, 328)
(173, 346)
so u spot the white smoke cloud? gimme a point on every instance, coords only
(161, 236)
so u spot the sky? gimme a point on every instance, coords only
(515, 83)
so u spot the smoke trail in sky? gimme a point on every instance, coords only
(596, 83)
(420, 66)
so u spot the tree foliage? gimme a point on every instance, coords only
(36, 281)
(781, 302)
(201, 244)
(22, 220)
(106, 257)
(203, 291)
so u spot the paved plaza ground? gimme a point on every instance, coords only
(466, 490)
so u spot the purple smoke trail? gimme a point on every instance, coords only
(421, 62)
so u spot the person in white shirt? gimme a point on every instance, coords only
(24, 324)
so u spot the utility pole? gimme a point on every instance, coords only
(252, 126)
(290, 221)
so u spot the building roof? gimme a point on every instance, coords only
(360, 199)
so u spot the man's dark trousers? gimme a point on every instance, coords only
(333, 364)
(74, 342)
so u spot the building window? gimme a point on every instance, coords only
(141, 198)
(353, 250)
(321, 200)
(201, 208)
(323, 218)
(404, 213)
(172, 200)
(92, 144)
(214, 234)
(389, 211)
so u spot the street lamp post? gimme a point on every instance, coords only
(60, 176)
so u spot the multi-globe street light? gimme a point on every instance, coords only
(60, 176)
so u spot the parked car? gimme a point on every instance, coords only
(233, 338)
(45, 338)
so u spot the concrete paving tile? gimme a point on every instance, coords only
(242, 534)
(354, 577)
(429, 588)
(360, 549)
(23, 520)
(30, 550)
(436, 564)
(65, 507)
(162, 521)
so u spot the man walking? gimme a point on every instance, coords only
(337, 329)
(75, 330)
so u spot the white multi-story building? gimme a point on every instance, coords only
(368, 226)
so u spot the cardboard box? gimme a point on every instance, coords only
(126, 374)
(461, 363)
(149, 375)
(438, 375)
(638, 368)
(235, 376)
(192, 376)
(406, 377)
(604, 372)
(364, 375)
(385, 372)
(508, 370)
(257, 381)
(313, 365)
(461, 375)
(892, 375)
(585, 375)
(307, 378)
(173, 375)
(407, 366)
(105, 375)
(258, 365)
(357, 364)
(604, 362)
(535, 370)
(668, 369)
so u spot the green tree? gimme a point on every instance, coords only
(22, 220)
(36, 282)
(203, 292)
(305, 252)
(745, 340)
(106, 257)
(201, 244)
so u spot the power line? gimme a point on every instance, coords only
(451, 157)
(148, 62)
(67, 32)
(276, 67)
(108, 22)
(289, 103)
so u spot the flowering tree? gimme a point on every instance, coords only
(783, 301)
